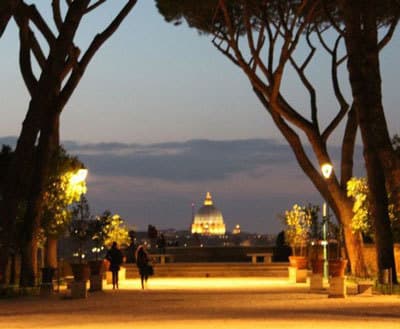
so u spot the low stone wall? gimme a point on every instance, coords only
(370, 257)
(214, 254)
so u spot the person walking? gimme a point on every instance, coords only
(161, 244)
(142, 263)
(114, 256)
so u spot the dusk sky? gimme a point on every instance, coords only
(161, 117)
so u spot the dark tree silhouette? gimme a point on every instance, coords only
(7, 8)
(362, 20)
(261, 38)
(61, 66)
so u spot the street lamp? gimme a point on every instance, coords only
(326, 169)
(79, 177)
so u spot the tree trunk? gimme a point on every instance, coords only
(51, 252)
(331, 190)
(363, 66)
(45, 150)
(28, 262)
(354, 250)
(17, 183)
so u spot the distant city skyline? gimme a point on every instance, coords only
(161, 117)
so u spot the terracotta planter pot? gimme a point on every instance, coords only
(337, 267)
(81, 271)
(299, 262)
(317, 266)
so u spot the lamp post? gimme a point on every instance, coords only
(326, 169)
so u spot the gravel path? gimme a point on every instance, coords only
(203, 303)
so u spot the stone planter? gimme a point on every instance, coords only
(298, 269)
(317, 274)
(81, 271)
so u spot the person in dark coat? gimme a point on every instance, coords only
(115, 257)
(161, 244)
(142, 263)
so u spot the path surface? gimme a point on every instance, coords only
(203, 303)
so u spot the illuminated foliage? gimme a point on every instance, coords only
(64, 188)
(115, 230)
(357, 188)
(298, 223)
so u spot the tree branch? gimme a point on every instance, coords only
(7, 9)
(37, 51)
(95, 5)
(348, 144)
(72, 62)
(301, 156)
(254, 50)
(40, 23)
(388, 36)
(331, 19)
(311, 90)
(95, 45)
(55, 4)
(344, 106)
(225, 51)
(25, 52)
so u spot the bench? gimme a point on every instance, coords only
(266, 257)
(161, 258)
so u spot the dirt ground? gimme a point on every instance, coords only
(203, 303)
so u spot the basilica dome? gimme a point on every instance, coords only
(208, 219)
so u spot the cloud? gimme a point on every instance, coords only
(191, 161)
(252, 181)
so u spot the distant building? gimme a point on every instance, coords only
(236, 230)
(208, 220)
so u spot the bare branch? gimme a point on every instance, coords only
(7, 8)
(297, 147)
(322, 41)
(348, 145)
(388, 36)
(331, 19)
(95, 5)
(71, 62)
(55, 4)
(271, 48)
(254, 50)
(288, 47)
(225, 51)
(311, 90)
(344, 106)
(40, 23)
(95, 45)
(25, 52)
(342, 60)
(312, 52)
(37, 51)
